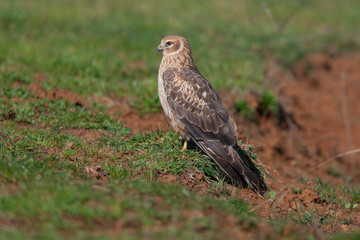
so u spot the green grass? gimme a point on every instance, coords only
(53, 203)
(341, 195)
(325, 190)
(48, 195)
(313, 216)
(108, 47)
(353, 192)
(154, 151)
(349, 236)
(48, 204)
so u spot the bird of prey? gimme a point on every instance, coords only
(195, 111)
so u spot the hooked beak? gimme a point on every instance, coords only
(159, 48)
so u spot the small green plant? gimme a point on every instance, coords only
(351, 206)
(297, 190)
(272, 196)
(244, 109)
(268, 104)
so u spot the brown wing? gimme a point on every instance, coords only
(197, 105)
(193, 100)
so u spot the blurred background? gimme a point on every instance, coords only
(108, 47)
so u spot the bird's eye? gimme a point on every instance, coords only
(169, 43)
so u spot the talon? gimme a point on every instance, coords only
(185, 145)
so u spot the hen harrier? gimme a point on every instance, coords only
(195, 111)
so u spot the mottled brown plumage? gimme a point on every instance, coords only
(196, 111)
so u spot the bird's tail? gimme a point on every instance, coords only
(236, 163)
(257, 181)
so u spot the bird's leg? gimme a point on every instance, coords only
(185, 145)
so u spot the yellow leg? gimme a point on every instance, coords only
(185, 145)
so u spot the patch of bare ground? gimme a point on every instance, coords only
(118, 108)
(320, 118)
(193, 180)
(121, 110)
(87, 135)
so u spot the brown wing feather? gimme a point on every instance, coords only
(199, 108)
(192, 98)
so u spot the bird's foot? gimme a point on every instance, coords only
(185, 146)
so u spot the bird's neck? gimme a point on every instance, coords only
(178, 60)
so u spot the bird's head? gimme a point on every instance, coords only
(172, 45)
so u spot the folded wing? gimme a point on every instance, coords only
(196, 104)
